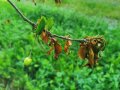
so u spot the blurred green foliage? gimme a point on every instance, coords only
(17, 42)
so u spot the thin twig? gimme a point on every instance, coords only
(20, 13)
(65, 38)
(34, 25)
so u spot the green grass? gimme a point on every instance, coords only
(104, 8)
(17, 41)
(101, 8)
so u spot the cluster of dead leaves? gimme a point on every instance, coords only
(54, 44)
(88, 50)
(91, 48)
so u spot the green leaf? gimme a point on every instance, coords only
(40, 25)
(49, 23)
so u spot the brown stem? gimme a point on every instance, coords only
(20, 13)
(34, 25)
(65, 38)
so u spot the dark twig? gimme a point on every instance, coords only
(65, 38)
(20, 13)
(34, 25)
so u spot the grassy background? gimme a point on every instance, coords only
(78, 18)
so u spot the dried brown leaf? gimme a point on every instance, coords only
(91, 57)
(56, 46)
(58, 49)
(44, 37)
(82, 51)
(67, 45)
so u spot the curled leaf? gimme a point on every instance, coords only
(57, 47)
(44, 36)
(82, 51)
(67, 45)
(91, 49)
(91, 57)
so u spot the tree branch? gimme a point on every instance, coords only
(34, 25)
(20, 13)
(65, 38)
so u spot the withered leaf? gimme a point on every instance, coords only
(67, 45)
(57, 48)
(91, 57)
(95, 57)
(44, 37)
(82, 51)
(91, 48)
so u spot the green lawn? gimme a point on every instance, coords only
(102, 8)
